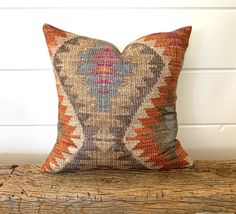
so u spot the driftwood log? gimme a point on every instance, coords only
(208, 187)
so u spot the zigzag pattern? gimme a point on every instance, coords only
(116, 110)
(69, 138)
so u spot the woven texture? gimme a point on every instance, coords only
(116, 110)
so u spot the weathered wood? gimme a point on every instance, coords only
(6, 169)
(210, 186)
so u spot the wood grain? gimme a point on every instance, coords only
(210, 186)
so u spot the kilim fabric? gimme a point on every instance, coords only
(116, 110)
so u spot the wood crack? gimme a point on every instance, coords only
(208, 187)
(7, 169)
(23, 190)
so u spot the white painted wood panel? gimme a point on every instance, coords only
(206, 102)
(204, 97)
(201, 142)
(196, 154)
(207, 97)
(120, 3)
(208, 136)
(212, 44)
(27, 139)
(28, 97)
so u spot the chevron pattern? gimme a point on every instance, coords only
(116, 110)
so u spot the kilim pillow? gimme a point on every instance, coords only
(116, 109)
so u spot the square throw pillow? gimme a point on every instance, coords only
(116, 109)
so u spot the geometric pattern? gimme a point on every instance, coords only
(116, 110)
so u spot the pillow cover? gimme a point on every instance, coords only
(116, 110)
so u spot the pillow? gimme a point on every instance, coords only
(116, 109)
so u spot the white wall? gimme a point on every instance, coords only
(207, 87)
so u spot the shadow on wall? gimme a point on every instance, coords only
(202, 154)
